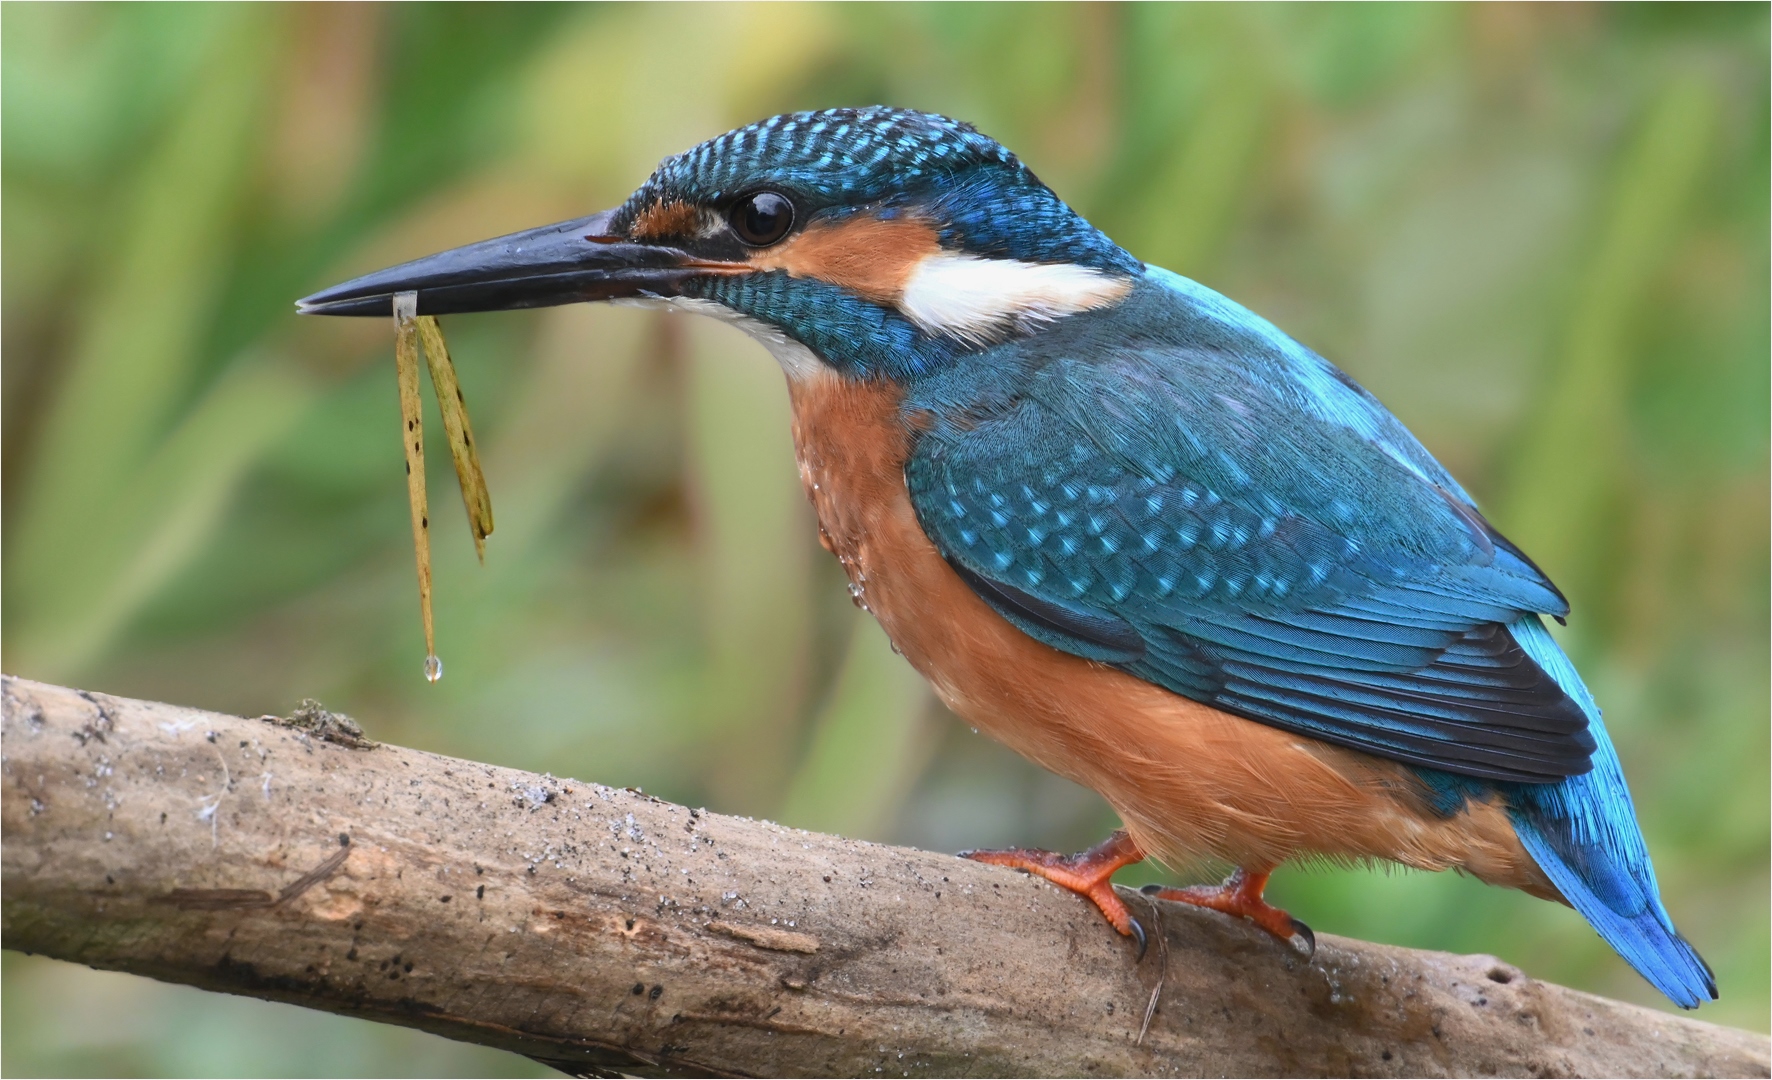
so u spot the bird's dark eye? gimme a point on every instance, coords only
(762, 219)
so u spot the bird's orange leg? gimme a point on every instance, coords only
(1087, 873)
(1240, 895)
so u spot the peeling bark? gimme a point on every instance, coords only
(603, 930)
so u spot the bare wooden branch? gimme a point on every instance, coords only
(605, 930)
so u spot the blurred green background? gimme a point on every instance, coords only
(1538, 233)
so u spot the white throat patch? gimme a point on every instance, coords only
(982, 300)
(797, 361)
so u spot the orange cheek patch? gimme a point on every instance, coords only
(869, 256)
(665, 219)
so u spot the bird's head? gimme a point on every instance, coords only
(879, 242)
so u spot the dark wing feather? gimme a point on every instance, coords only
(1166, 511)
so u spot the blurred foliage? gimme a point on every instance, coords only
(1539, 233)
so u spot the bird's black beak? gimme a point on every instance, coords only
(566, 263)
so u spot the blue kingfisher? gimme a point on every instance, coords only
(1121, 523)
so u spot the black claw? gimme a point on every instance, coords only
(967, 854)
(1150, 890)
(1138, 934)
(1303, 932)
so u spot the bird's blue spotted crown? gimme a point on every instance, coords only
(843, 160)
(840, 155)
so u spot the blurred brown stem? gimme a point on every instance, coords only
(604, 930)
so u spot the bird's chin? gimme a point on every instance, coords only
(799, 363)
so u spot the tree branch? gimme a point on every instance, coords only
(600, 929)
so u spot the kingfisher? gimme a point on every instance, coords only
(1122, 524)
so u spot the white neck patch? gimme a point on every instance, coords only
(982, 300)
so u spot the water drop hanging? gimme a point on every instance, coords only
(433, 668)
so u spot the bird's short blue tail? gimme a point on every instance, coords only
(1583, 833)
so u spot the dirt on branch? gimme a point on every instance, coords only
(603, 930)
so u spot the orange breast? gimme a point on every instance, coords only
(1189, 781)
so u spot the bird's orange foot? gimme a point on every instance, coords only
(1087, 873)
(1240, 895)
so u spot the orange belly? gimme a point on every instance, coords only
(1189, 781)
